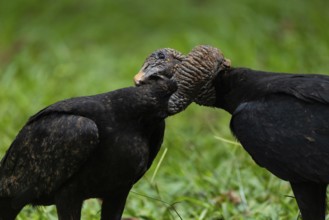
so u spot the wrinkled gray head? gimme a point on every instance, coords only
(193, 74)
(160, 64)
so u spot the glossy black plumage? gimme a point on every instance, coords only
(282, 122)
(86, 147)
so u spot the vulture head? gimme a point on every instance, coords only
(194, 75)
(160, 64)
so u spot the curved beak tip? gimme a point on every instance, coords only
(138, 78)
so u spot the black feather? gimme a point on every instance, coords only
(282, 122)
(86, 147)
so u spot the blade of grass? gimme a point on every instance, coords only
(158, 165)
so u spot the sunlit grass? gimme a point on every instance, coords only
(55, 50)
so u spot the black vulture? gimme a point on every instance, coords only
(282, 121)
(88, 147)
(99, 146)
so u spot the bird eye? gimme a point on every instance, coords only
(161, 55)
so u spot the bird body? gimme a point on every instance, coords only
(273, 110)
(281, 131)
(282, 122)
(86, 147)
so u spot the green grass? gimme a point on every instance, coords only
(52, 50)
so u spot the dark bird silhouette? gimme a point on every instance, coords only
(282, 121)
(88, 147)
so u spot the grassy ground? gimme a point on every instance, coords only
(52, 50)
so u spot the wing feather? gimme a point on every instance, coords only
(308, 87)
(285, 135)
(46, 153)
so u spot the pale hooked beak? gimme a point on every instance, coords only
(140, 76)
(147, 72)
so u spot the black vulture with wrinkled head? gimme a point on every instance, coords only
(88, 147)
(99, 146)
(282, 121)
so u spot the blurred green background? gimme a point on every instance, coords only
(53, 50)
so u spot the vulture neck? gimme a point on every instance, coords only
(238, 85)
